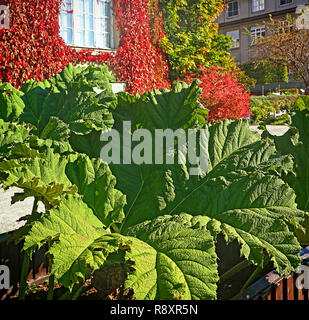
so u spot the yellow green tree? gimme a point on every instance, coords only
(191, 36)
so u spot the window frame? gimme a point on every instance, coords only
(253, 2)
(95, 16)
(235, 40)
(285, 4)
(227, 10)
(255, 28)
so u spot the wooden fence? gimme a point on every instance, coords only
(276, 287)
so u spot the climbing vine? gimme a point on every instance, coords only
(139, 61)
(32, 47)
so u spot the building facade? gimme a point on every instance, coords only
(243, 21)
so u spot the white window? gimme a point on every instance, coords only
(232, 9)
(258, 5)
(256, 33)
(87, 23)
(235, 41)
(284, 2)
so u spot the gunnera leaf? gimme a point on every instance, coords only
(11, 103)
(295, 143)
(78, 243)
(172, 260)
(242, 183)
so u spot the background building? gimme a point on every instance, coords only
(243, 16)
(244, 21)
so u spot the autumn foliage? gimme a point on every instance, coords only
(139, 61)
(223, 95)
(32, 47)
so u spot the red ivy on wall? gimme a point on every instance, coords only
(33, 49)
(139, 61)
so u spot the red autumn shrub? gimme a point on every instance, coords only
(223, 95)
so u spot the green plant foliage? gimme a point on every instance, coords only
(263, 108)
(67, 105)
(301, 103)
(174, 260)
(11, 103)
(80, 245)
(237, 161)
(295, 142)
(265, 72)
(192, 38)
(157, 221)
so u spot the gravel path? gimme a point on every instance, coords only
(10, 214)
(274, 130)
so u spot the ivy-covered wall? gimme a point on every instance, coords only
(160, 40)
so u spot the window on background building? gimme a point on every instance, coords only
(235, 41)
(256, 33)
(283, 2)
(232, 9)
(87, 23)
(258, 5)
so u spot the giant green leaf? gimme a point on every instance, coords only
(34, 107)
(295, 143)
(172, 260)
(96, 183)
(11, 103)
(68, 104)
(11, 134)
(39, 175)
(78, 243)
(242, 181)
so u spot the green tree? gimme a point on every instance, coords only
(285, 44)
(266, 72)
(191, 36)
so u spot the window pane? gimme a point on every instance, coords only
(92, 24)
(89, 6)
(80, 39)
(67, 36)
(107, 9)
(90, 39)
(283, 2)
(233, 8)
(107, 25)
(80, 23)
(79, 6)
(100, 41)
(235, 35)
(89, 22)
(258, 5)
(107, 40)
(65, 21)
(256, 33)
